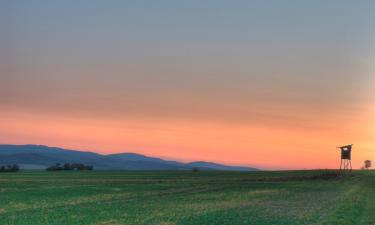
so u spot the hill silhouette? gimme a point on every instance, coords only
(40, 156)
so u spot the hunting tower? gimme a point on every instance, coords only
(346, 157)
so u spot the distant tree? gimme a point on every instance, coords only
(67, 166)
(9, 168)
(55, 167)
(80, 166)
(195, 169)
(58, 166)
(89, 167)
(15, 168)
(367, 164)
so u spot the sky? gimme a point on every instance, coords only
(272, 84)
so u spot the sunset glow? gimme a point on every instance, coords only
(241, 84)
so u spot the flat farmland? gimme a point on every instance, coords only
(185, 197)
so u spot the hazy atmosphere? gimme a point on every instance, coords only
(271, 84)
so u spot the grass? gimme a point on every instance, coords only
(184, 197)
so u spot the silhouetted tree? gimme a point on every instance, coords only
(367, 164)
(10, 168)
(55, 167)
(15, 168)
(89, 167)
(68, 166)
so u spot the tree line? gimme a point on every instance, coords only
(9, 168)
(69, 166)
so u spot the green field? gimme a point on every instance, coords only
(176, 197)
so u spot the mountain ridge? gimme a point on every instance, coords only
(40, 156)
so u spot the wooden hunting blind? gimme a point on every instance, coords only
(346, 156)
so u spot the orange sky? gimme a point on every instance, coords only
(266, 145)
(271, 84)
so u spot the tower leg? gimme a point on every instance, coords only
(341, 164)
(347, 164)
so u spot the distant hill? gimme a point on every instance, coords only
(216, 166)
(40, 156)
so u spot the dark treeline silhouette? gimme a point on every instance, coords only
(9, 168)
(70, 166)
